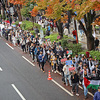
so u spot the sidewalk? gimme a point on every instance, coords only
(83, 40)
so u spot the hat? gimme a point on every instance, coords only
(99, 87)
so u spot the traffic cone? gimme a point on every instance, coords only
(49, 76)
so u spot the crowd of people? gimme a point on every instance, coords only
(43, 51)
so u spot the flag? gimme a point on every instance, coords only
(94, 84)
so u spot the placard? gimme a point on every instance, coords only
(69, 62)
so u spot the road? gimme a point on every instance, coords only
(22, 80)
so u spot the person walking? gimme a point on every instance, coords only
(41, 60)
(67, 74)
(75, 82)
(96, 43)
(97, 94)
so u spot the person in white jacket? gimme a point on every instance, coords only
(67, 74)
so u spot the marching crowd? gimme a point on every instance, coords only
(43, 51)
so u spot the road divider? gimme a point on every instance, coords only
(9, 46)
(22, 97)
(62, 88)
(28, 61)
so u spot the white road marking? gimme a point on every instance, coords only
(81, 87)
(90, 94)
(28, 61)
(22, 97)
(62, 88)
(9, 46)
(1, 69)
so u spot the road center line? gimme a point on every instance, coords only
(62, 88)
(28, 61)
(18, 92)
(1, 69)
(9, 46)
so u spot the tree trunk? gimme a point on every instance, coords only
(19, 13)
(60, 28)
(90, 43)
(88, 18)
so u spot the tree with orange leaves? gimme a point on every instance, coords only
(18, 4)
(56, 9)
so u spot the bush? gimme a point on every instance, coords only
(37, 25)
(64, 42)
(33, 32)
(27, 25)
(44, 31)
(76, 48)
(16, 23)
(92, 53)
(52, 37)
(0, 16)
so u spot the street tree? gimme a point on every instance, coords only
(85, 9)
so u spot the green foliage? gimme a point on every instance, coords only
(4, 17)
(16, 23)
(52, 37)
(92, 53)
(44, 30)
(37, 25)
(64, 42)
(25, 12)
(76, 48)
(0, 16)
(33, 32)
(27, 25)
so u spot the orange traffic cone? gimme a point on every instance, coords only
(49, 76)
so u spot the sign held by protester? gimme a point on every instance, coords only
(63, 60)
(72, 68)
(58, 37)
(69, 62)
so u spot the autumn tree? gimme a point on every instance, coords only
(18, 4)
(54, 9)
(85, 9)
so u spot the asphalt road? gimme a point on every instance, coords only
(19, 80)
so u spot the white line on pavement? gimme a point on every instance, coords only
(9, 46)
(28, 61)
(18, 92)
(62, 87)
(1, 69)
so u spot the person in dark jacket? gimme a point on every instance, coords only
(75, 82)
(97, 94)
(41, 60)
(96, 43)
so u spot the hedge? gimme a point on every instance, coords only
(92, 53)
(27, 25)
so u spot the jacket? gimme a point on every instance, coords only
(40, 57)
(76, 78)
(96, 96)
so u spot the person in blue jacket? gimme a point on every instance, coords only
(97, 94)
(41, 60)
